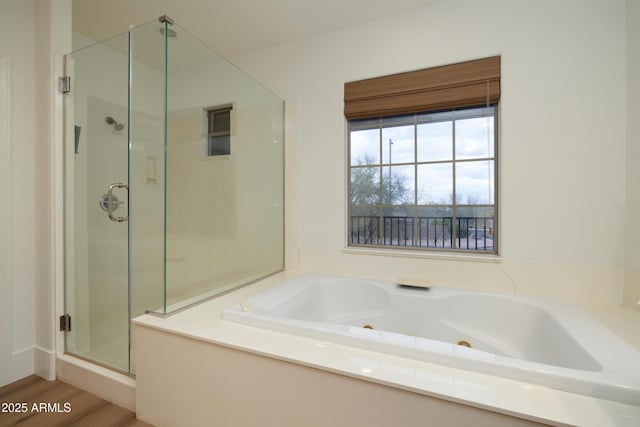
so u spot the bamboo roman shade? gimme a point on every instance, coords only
(459, 85)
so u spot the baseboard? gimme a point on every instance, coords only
(112, 386)
(33, 360)
(44, 363)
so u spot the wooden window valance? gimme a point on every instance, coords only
(459, 85)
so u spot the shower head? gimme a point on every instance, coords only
(111, 121)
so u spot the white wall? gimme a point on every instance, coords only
(33, 32)
(53, 23)
(632, 273)
(562, 137)
(18, 19)
(5, 219)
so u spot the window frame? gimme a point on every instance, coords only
(415, 206)
(209, 122)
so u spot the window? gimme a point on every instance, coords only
(423, 179)
(219, 131)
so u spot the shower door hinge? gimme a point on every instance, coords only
(64, 84)
(65, 323)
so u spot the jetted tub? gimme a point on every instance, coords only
(538, 340)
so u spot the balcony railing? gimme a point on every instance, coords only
(471, 233)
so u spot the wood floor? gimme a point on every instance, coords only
(33, 401)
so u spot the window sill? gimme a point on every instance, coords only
(218, 158)
(424, 255)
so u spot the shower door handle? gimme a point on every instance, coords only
(111, 203)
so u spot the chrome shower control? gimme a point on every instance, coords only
(104, 202)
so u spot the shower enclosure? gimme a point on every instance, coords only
(174, 168)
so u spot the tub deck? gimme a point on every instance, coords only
(539, 340)
(203, 324)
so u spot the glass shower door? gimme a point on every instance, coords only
(155, 219)
(97, 204)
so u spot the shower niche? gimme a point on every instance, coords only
(174, 178)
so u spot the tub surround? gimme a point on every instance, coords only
(202, 331)
(545, 341)
(218, 385)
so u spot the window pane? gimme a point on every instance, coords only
(210, 120)
(476, 211)
(364, 224)
(222, 121)
(435, 141)
(399, 211)
(398, 185)
(364, 124)
(403, 173)
(219, 145)
(435, 212)
(365, 186)
(474, 138)
(365, 210)
(435, 184)
(474, 183)
(365, 147)
(434, 227)
(398, 226)
(397, 141)
(475, 228)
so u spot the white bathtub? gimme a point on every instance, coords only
(537, 340)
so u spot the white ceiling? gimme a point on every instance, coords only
(233, 27)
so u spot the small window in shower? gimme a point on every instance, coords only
(219, 131)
